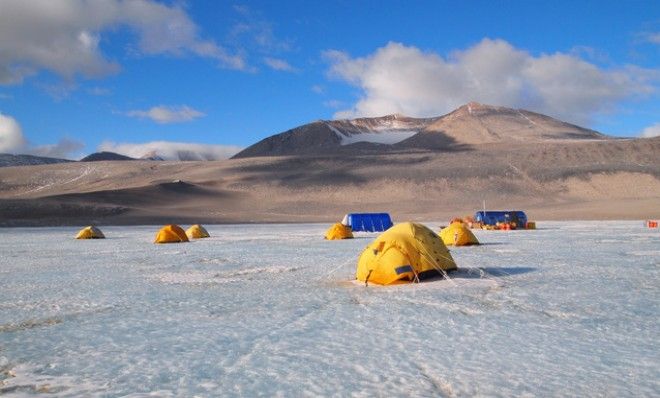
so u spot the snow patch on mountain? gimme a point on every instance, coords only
(377, 135)
(384, 137)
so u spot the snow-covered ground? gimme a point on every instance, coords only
(571, 309)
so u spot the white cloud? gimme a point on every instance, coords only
(335, 104)
(318, 89)
(167, 114)
(99, 91)
(653, 37)
(13, 141)
(257, 32)
(63, 36)
(279, 64)
(59, 90)
(651, 131)
(403, 79)
(64, 148)
(171, 150)
(11, 135)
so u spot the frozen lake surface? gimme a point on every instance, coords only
(571, 309)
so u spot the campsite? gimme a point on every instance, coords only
(262, 309)
(357, 199)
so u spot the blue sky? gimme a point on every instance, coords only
(132, 76)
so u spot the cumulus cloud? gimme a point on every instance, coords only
(404, 79)
(167, 114)
(11, 135)
(13, 141)
(279, 64)
(171, 150)
(63, 36)
(651, 131)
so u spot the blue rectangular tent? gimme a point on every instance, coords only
(501, 216)
(368, 222)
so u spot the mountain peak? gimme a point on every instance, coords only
(474, 106)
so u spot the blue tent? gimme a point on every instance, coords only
(493, 217)
(369, 222)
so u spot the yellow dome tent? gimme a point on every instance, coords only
(171, 234)
(406, 252)
(457, 234)
(197, 232)
(90, 232)
(339, 231)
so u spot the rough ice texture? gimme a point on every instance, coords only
(570, 309)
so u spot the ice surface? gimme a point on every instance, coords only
(570, 309)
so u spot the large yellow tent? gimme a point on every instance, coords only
(197, 232)
(90, 232)
(407, 252)
(171, 233)
(457, 234)
(339, 231)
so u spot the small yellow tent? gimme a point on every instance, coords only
(406, 252)
(171, 234)
(197, 232)
(90, 232)
(339, 231)
(457, 234)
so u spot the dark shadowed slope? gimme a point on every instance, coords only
(101, 156)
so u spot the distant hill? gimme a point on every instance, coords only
(101, 156)
(471, 124)
(8, 160)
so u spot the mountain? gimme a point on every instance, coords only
(558, 179)
(416, 169)
(101, 156)
(8, 160)
(470, 125)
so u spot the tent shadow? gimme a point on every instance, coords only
(479, 273)
(489, 244)
(465, 273)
